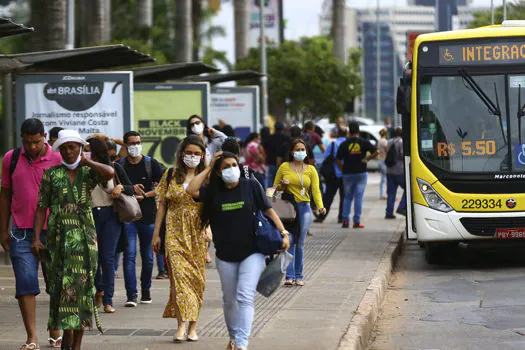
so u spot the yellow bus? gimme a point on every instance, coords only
(465, 153)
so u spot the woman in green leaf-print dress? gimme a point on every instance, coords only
(65, 191)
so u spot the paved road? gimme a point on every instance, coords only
(476, 301)
(339, 266)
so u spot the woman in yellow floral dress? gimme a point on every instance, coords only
(185, 241)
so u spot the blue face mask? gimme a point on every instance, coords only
(299, 156)
(231, 175)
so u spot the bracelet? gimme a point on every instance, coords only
(285, 233)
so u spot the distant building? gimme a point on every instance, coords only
(394, 25)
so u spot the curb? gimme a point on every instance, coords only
(357, 335)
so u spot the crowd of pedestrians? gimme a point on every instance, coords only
(60, 196)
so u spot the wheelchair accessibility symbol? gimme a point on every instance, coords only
(520, 155)
(448, 56)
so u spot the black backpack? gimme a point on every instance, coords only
(392, 156)
(327, 169)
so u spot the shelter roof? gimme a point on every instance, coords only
(9, 28)
(231, 76)
(174, 71)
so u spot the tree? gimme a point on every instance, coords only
(95, 19)
(338, 28)
(49, 17)
(144, 14)
(241, 10)
(308, 78)
(183, 31)
(515, 10)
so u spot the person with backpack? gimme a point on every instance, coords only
(22, 171)
(333, 177)
(351, 160)
(144, 173)
(395, 175)
(185, 245)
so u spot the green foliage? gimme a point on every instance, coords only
(515, 10)
(307, 77)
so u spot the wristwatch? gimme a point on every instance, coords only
(285, 233)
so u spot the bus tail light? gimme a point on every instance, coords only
(433, 199)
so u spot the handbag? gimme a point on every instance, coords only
(127, 207)
(327, 169)
(283, 207)
(273, 274)
(162, 232)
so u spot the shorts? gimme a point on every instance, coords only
(25, 264)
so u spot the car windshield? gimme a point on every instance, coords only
(463, 124)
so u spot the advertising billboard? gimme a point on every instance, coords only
(87, 102)
(272, 23)
(161, 112)
(236, 106)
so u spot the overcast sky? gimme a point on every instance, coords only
(302, 18)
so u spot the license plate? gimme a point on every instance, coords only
(510, 233)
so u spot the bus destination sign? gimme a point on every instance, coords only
(482, 54)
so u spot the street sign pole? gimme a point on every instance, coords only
(264, 68)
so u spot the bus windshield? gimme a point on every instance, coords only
(463, 124)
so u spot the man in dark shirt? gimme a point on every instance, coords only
(311, 137)
(144, 172)
(273, 146)
(351, 160)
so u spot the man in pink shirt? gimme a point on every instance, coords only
(18, 198)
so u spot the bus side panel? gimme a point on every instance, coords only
(410, 225)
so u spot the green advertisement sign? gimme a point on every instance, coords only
(161, 112)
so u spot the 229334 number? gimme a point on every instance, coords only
(481, 203)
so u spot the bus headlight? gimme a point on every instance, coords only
(433, 199)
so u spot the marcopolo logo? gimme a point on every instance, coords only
(511, 203)
(74, 96)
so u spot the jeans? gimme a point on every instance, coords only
(25, 264)
(160, 264)
(354, 186)
(238, 283)
(393, 181)
(271, 171)
(145, 235)
(108, 233)
(332, 187)
(295, 269)
(382, 183)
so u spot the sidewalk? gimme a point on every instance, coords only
(339, 264)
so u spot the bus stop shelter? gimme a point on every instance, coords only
(242, 75)
(166, 72)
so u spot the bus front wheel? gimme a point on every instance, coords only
(436, 253)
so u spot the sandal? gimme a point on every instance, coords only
(299, 283)
(288, 283)
(30, 346)
(55, 343)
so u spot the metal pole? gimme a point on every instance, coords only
(9, 130)
(70, 40)
(378, 66)
(264, 69)
(504, 10)
(492, 12)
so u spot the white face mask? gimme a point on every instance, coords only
(300, 156)
(74, 165)
(197, 128)
(231, 175)
(135, 150)
(191, 161)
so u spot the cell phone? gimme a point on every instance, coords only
(45, 255)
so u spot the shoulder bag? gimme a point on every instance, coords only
(283, 205)
(126, 206)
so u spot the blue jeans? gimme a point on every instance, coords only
(238, 283)
(25, 264)
(382, 183)
(160, 263)
(271, 171)
(108, 233)
(145, 234)
(393, 181)
(295, 269)
(354, 187)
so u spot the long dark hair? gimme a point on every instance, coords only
(213, 187)
(292, 146)
(188, 126)
(99, 153)
(180, 168)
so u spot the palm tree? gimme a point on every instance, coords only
(183, 31)
(242, 26)
(96, 21)
(144, 13)
(49, 17)
(338, 27)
